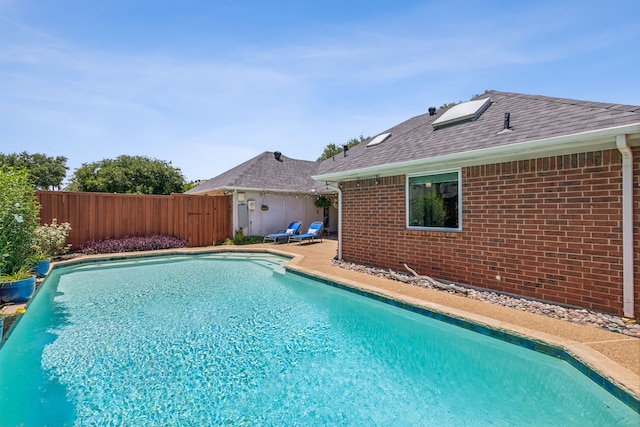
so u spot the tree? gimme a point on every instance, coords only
(189, 185)
(45, 172)
(128, 175)
(332, 149)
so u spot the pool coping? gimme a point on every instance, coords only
(618, 380)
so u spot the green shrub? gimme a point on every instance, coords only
(19, 211)
(241, 239)
(252, 240)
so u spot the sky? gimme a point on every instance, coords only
(207, 84)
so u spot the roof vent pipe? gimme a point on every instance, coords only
(507, 121)
(277, 155)
(345, 148)
(432, 111)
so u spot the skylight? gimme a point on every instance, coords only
(378, 139)
(467, 111)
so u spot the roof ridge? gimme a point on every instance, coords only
(568, 101)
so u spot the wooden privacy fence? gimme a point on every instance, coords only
(199, 220)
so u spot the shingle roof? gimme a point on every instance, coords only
(533, 117)
(266, 173)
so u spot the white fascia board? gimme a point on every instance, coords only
(560, 145)
(249, 189)
(197, 193)
(211, 191)
(273, 190)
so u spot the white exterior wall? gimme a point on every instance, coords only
(333, 220)
(283, 209)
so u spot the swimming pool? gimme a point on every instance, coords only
(230, 340)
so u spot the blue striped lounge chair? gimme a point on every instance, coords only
(314, 232)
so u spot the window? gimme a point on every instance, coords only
(433, 201)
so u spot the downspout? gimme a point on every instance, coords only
(234, 214)
(337, 188)
(627, 225)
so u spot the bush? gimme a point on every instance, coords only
(19, 211)
(251, 240)
(132, 244)
(240, 239)
(51, 240)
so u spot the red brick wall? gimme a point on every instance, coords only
(230, 230)
(549, 227)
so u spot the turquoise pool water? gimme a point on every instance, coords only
(200, 340)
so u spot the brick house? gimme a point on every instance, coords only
(522, 194)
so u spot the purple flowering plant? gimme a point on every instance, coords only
(132, 244)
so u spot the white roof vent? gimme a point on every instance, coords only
(378, 139)
(467, 111)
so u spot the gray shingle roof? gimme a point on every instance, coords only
(533, 117)
(264, 172)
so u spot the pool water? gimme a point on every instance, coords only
(228, 340)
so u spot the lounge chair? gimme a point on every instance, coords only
(314, 232)
(283, 234)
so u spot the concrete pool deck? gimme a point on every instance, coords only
(612, 355)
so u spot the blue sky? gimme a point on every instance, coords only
(208, 85)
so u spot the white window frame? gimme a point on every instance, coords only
(408, 200)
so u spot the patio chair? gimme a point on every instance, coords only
(314, 232)
(283, 234)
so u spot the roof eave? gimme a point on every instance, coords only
(560, 145)
(248, 189)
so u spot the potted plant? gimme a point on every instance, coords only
(18, 286)
(18, 220)
(41, 264)
(264, 207)
(322, 202)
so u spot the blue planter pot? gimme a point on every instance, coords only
(42, 267)
(18, 291)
